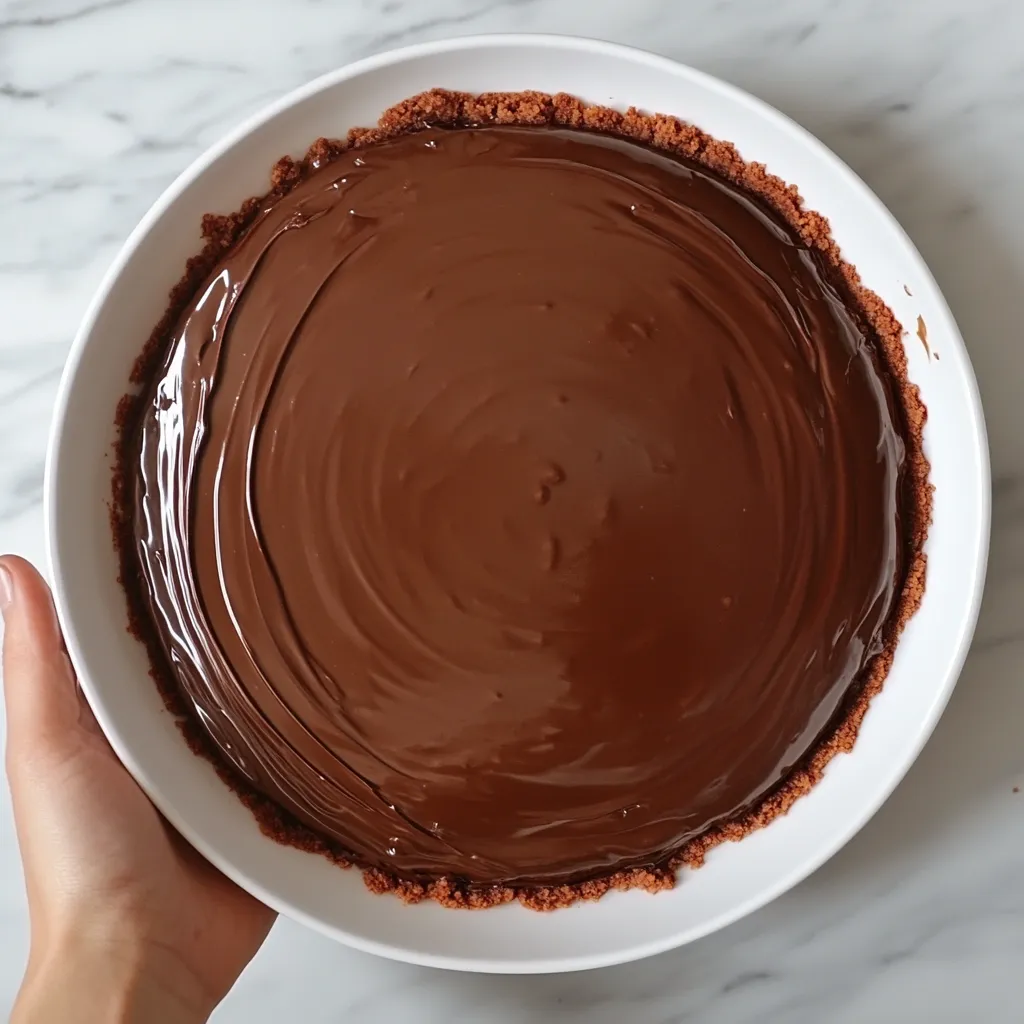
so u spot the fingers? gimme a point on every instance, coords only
(43, 708)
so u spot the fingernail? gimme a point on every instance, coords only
(6, 588)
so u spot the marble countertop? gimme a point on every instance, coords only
(921, 917)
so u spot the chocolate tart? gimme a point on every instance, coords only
(520, 499)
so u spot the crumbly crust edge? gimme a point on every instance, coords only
(445, 108)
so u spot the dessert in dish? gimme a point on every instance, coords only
(521, 498)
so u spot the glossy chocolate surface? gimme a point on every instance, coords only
(515, 504)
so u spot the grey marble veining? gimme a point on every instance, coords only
(921, 917)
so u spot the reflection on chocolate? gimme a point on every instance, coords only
(515, 504)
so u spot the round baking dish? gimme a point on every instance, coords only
(112, 666)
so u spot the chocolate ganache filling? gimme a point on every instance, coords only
(516, 504)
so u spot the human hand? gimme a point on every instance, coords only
(129, 923)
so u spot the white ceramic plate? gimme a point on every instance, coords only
(739, 877)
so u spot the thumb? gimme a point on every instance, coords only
(45, 716)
